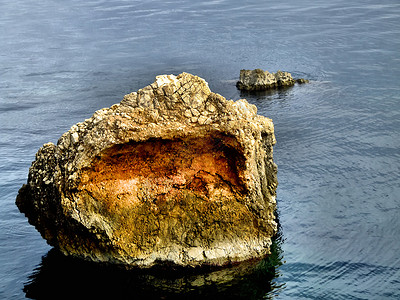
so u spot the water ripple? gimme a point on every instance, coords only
(344, 280)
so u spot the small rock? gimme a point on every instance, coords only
(259, 80)
(302, 81)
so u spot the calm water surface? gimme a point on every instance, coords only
(338, 147)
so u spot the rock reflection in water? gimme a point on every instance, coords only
(64, 277)
(278, 92)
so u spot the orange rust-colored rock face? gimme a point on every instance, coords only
(164, 178)
(206, 167)
(172, 174)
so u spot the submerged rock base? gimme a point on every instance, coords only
(172, 174)
(260, 80)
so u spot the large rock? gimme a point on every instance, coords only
(172, 174)
(259, 80)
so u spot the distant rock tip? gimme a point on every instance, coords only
(260, 80)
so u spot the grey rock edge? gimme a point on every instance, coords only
(259, 80)
(172, 174)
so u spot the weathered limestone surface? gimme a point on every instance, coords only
(258, 80)
(172, 174)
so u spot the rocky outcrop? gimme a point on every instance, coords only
(259, 80)
(172, 174)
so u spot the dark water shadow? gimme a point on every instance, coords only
(61, 277)
(281, 92)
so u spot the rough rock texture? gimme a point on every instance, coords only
(258, 80)
(172, 174)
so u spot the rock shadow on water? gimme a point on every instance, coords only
(281, 92)
(60, 276)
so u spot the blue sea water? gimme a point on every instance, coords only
(338, 138)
